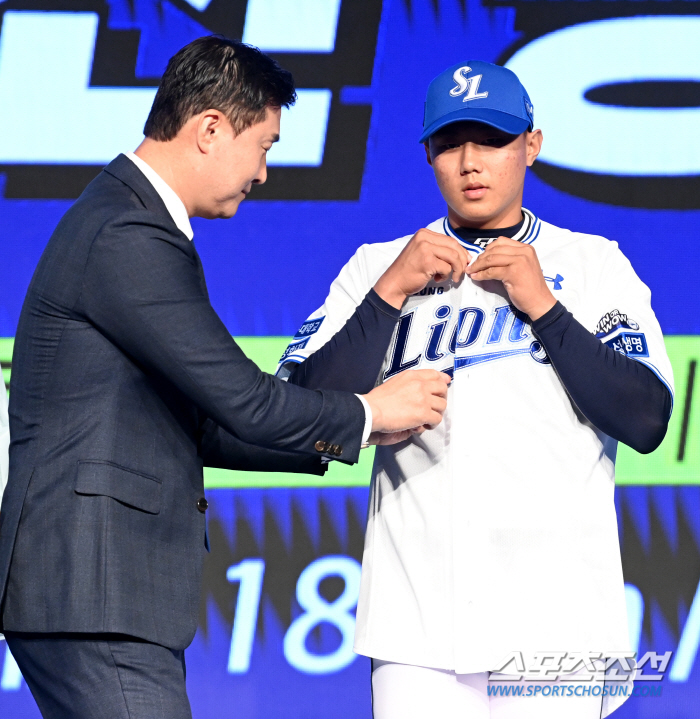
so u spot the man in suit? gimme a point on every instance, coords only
(4, 436)
(126, 383)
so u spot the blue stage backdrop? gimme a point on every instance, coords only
(616, 90)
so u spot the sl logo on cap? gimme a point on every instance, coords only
(470, 85)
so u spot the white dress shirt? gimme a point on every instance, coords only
(174, 205)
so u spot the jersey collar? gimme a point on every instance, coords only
(527, 234)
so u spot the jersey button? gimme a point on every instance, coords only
(202, 505)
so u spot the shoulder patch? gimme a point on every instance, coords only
(632, 344)
(309, 328)
(612, 321)
(293, 347)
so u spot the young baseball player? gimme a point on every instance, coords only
(495, 535)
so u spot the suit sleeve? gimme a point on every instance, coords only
(219, 448)
(4, 438)
(143, 289)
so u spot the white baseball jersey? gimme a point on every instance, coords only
(496, 532)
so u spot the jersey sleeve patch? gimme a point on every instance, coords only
(612, 321)
(309, 328)
(612, 330)
(632, 344)
(292, 348)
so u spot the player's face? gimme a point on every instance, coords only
(481, 172)
(235, 163)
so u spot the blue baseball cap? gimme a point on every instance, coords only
(480, 92)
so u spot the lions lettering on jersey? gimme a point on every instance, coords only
(449, 329)
(505, 328)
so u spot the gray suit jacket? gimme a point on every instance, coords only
(125, 383)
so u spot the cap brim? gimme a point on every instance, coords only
(495, 118)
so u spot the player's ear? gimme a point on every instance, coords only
(533, 141)
(427, 154)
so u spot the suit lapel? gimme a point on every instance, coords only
(126, 171)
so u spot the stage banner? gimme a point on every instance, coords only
(615, 86)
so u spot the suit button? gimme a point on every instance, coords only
(338, 450)
(202, 505)
(321, 446)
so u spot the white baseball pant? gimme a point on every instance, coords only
(402, 691)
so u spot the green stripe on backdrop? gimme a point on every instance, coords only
(265, 352)
(6, 344)
(677, 461)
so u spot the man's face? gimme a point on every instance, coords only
(235, 163)
(481, 172)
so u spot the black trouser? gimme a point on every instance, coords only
(101, 676)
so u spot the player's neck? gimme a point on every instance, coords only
(505, 216)
(469, 234)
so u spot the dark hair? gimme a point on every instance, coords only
(216, 73)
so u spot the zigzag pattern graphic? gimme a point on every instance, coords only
(659, 533)
(660, 544)
(289, 530)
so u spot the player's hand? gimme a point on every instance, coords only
(411, 399)
(428, 256)
(517, 267)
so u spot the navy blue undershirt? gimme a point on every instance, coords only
(350, 361)
(469, 234)
(618, 395)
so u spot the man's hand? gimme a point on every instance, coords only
(427, 256)
(517, 267)
(386, 438)
(409, 402)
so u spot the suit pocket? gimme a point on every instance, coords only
(110, 480)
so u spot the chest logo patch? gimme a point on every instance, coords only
(556, 281)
